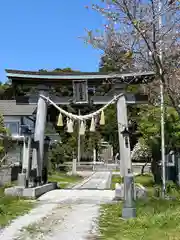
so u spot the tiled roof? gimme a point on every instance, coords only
(10, 108)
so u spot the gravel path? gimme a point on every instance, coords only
(69, 222)
(63, 214)
(98, 180)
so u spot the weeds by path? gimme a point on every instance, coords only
(12, 207)
(63, 179)
(156, 219)
(146, 180)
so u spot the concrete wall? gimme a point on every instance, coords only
(14, 155)
(8, 174)
(107, 153)
(138, 166)
(89, 166)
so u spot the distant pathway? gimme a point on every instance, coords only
(64, 214)
(98, 180)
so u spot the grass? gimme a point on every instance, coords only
(63, 179)
(115, 179)
(12, 207)
(146, 180)
(156, 218)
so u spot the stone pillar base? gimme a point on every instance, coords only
(128, 212)
(74, 172)
(31, 193)
(22, 180)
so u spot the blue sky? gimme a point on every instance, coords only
(39, 34)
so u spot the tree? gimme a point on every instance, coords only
(6, 142)
(116, 63)
(149, 128)
(110, 130)
(62, 152)
(141, 152)
(6, 91)
(61, 70)
(2, 132)
(136, 28)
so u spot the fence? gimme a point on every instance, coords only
(101, 166)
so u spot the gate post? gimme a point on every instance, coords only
(38, 154)
(125, 158)
(128, 210)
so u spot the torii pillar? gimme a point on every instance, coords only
(125, 152)
(38, 154)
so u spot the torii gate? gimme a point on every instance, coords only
(81, 85)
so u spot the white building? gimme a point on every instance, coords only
(14, 117)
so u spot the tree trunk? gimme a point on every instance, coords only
(156, 171)
(143, 167)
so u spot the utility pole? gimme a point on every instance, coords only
(162, 110)
(79, 139)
